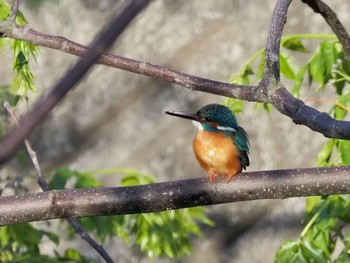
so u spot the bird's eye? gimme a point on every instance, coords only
(207, 119)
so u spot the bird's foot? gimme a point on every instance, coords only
(230, 175)
(211, 176)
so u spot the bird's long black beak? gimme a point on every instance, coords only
(183, 114)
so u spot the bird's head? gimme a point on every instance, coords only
(212, 117)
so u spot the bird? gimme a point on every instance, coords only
(221, 146)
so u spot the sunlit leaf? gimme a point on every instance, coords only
(294, 44)
(235, 105)
(311, 253)
(242, 77)
(344, 100)
(311, 203)
(298, 80)
(344, 150)
(286, 67)
(316, 67)
(325, 153)
(60, 178)
(289, 252)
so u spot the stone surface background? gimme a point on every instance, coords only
(116, 119)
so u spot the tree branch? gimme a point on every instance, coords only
(332, 20)
(303, 114)
(269, 90)
(278, 95)
(44, 106)
(14, 10)
(272, 50)
(174, 195)
(148, 69)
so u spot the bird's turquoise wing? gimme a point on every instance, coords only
(242, 142)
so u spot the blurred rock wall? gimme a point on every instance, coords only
(116, 119)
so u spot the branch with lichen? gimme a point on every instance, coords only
(270, 89)
(178, 194)
(157, 197)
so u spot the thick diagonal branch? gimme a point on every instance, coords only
(45, 187)
(41, 109)
(174, 195)
(332, 20)
(14, 10)
(148, 69)
(272, 49)
(282, 100)
(277, 95)
(270, 90)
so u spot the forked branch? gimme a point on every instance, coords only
(174, 195)
(332, 20)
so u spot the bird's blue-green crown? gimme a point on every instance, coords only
(220, 114)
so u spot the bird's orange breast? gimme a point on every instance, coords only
(217, 153)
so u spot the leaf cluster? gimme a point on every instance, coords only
(23, 52)
(327, 65)
(155, 234)
(328, 220)
(326, 236)
(21, 243)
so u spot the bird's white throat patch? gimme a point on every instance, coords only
(198, 125)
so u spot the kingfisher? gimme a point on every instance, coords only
(221, 146)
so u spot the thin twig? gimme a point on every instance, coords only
(140, 67)
(14, 10)
(44, 106)
(277, 95)
(165, 196)
(332, 20)
(272, 50)
(45, 187)
(336, 103)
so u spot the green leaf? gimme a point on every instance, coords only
(136, 178)
(72, 254)
(320, 235)
(52, 236)
(344, 100)
(329, 54)
(286, 67)
(299, 252)
(4, 10)
(60, 178)
(311, 203)
(298, 80)
(4, 236)
(344, 150)
(234, 105)
(294, 44)
(289, 252)
(242, 77)
(343, 258)
(341, 70)
(311, 253)
(22, 82)
(25, 234)
(347, 241)
(86, 180)
(261, 66)
(325, 153)
(317, 69)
